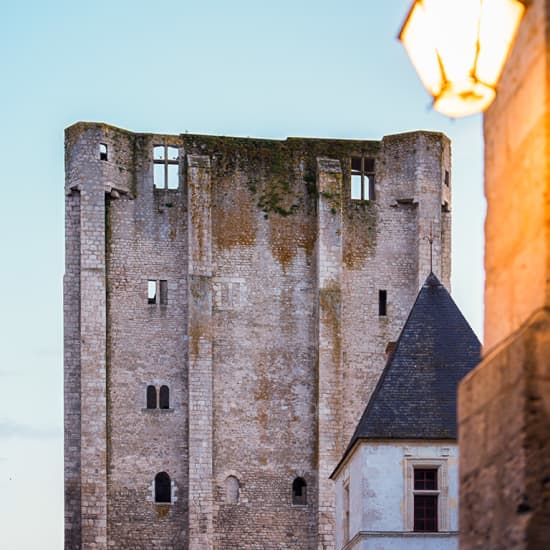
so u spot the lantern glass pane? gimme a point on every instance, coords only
(499, 23)
(454, 25)
(461, 102)
(418, 39)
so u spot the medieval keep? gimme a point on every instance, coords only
(228, 305)
(397, 483)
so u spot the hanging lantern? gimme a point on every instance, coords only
(458, 48)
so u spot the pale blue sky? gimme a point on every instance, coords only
(269, 69)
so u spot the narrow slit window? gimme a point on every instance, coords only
(382, 303)
(151, 292)
(447, 178)
(299, 492)
(166, 167)
(345, 517)
(163, 291)
(151, 397)
(362, 178)
(163, 488)
(102, 151)
(164, 397)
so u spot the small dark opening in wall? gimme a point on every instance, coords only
(102, 151)
(163, 292)
(299, 491)
(151, 397)
(164, 397)
(162, 487)
(151, 292)
(369, 164)
(447, 178)
(382, 302)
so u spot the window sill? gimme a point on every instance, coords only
(157, 411)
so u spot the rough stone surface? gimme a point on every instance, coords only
(270, 342)
(504, 433)
(504, 420)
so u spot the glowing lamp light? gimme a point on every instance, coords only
(458, 48)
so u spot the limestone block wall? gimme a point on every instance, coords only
(504, 404)
(516, 184)
(270, 340)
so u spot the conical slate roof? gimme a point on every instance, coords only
(415, 397)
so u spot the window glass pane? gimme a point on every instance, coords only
(369, 165)
(158, 152)
(356, 186)
(173, 153)
(425, 479)
(173, 176)
(158, 176)
(425, 513)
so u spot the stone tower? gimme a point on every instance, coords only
(228, 305)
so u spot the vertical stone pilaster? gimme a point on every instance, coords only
(433, 198)
(71, 393)
(329, 281)
(200, 353)
(93, 455)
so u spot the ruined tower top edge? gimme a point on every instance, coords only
(81, 126)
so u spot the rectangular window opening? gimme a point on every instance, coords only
(362, 178)
(163, 292)
(426, 494)
(151, 292)
(447, 178)
(382, 303)
(166, 167)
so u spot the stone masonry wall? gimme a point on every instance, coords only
(270, 341)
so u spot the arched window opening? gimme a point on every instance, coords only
(102, 151)
(299, 491)
(164, 397)
(163, 488)
(151, 397)
(232, 487)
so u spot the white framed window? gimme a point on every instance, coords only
(427, 495)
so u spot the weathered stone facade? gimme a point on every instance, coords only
(504, 404)
(269, 335)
